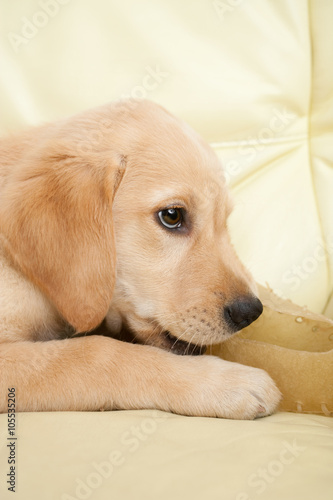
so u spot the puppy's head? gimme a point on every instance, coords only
(179, 283)
(121, 212)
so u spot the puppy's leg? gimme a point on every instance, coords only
(95, 372)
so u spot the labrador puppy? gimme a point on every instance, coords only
(115, 259)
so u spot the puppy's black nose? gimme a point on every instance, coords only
(242, 312)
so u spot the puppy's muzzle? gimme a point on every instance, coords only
(242, 312)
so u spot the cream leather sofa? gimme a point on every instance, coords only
(255, 79)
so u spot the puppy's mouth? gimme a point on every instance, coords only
(160, 338)
(182, 347)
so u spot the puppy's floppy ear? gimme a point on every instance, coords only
(56, 217)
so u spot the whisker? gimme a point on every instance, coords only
(179, 338)
(188, 347)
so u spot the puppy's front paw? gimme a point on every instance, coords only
(230, 390)
(251, 393)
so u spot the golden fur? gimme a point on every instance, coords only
(82, 250)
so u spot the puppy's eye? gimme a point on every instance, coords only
(171, 217)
